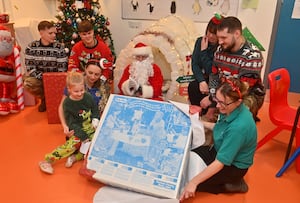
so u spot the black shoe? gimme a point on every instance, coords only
(239, 187)
(42, 106)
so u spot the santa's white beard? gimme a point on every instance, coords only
(140, 71)
(6, 48)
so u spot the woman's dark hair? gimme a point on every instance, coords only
(213, 24)
(93, 61)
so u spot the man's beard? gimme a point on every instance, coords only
(230, 47)
(140, 71)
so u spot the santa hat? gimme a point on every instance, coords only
(4, 31)
(142, 49)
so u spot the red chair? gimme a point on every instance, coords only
(281, 114)
(288, 161)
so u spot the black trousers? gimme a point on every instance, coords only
(195, 96)
(229, 174)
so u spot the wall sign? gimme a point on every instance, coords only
(197, 10)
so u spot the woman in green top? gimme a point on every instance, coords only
(235, 136)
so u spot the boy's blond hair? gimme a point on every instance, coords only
(74, 78)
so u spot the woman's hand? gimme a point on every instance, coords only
(205, 102)
(204, 43)
(203, 87)
(189, 191)
(194, 109)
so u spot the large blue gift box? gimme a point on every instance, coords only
(141, 145)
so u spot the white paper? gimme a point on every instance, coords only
(185, 108)
(109, 194)
(198, 136)
(195, 166)
(296, 10)
(84, 147)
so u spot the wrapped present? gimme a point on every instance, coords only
(29, 99)
(54, 84)
(141, 145)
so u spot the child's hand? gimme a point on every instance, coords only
(67, 131)
(95, 123)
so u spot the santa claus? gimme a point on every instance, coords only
(8, 94)
(142, 78)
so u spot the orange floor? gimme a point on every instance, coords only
(27, 136)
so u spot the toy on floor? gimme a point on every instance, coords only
(11, 91)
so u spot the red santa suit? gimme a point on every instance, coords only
(142, 78)
(8, 95)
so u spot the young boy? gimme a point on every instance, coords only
(82, 116)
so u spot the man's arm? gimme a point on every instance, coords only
(73, 62)
(250, 71)
(62, 59)
(31, 68)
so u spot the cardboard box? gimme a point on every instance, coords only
(141, 145)
(54, 84)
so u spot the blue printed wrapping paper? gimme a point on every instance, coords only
(141, 145)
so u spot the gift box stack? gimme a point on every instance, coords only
(54, 84)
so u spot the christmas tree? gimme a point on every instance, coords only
(72, 12)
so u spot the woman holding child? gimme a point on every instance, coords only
(94, 85)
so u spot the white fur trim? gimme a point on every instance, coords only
(101, 63)
(147, 91)
(5, 33)
(125, 88)
(103, 78)
(104, 61)
(142, 51)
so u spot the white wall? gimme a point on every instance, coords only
(259, 21)
(26, 14)
(22, 9)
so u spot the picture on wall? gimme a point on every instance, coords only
(197, 10)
